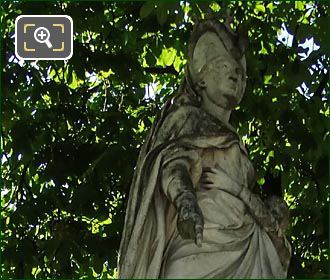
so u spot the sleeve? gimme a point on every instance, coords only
(282, 247)
(264, 218)
(181, 170)
(259, 211)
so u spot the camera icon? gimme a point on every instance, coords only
(44, 37)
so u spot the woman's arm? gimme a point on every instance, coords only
(178, 186)
(217, 177)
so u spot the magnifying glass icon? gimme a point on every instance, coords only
(41, 35)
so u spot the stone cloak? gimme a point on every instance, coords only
(181, 126)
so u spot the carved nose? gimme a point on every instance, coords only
(235, 71)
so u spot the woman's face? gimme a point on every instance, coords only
(224, 82)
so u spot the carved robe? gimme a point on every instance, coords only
(234, 244)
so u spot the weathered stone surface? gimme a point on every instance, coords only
(191, 212)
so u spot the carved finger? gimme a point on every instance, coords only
(184, 229)
(213, 172)
(184, 213)
(192, 234)
(199, 239)
(199, 235)
(218, 169)
(208, 169)
(189, 231)
(207, 182)
(199, 228)
(207, 175)
(209, 178)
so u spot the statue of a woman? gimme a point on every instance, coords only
(191, 213)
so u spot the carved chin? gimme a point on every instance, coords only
(232, 102)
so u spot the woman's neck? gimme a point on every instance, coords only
(216, 111)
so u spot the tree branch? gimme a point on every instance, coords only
(20, 187)
(161, 70)
(322, 84)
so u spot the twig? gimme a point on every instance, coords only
(322, 84)
(161, 70)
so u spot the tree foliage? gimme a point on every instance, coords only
(71, 130)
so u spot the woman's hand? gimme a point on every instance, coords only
(218, 178)
(190, 221)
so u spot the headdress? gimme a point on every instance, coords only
(209, 39)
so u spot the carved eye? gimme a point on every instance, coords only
(239, 71)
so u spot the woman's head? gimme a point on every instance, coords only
(216, 64)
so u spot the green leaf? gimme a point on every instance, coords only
(167, 57)
(267, 79)
(261, 8)
(300, 5)
(261, 181)
(271, 7)
(177, 64)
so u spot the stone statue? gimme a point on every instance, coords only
(191, 212)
